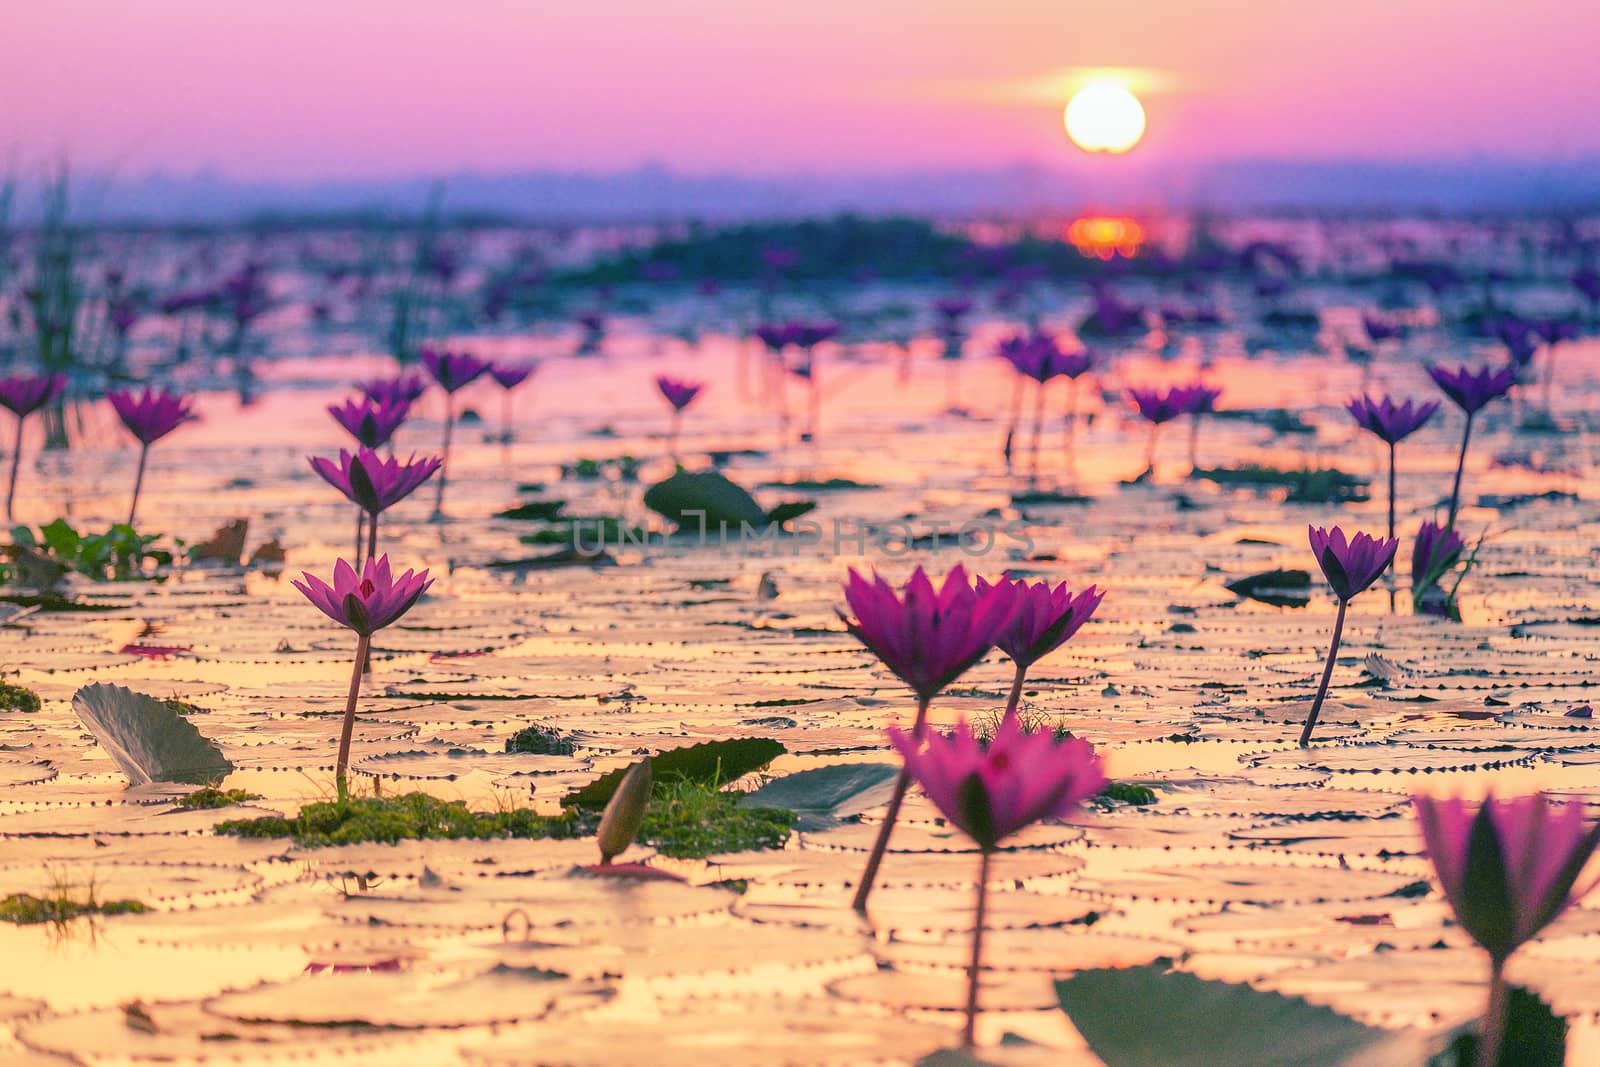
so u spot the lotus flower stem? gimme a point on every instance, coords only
(881, 845)
(361, 525)
(1016, 416)
(975, 969)
(372, 536)
(449, 424)
(16, 460)
(672, 434)
(505, 417)
(1461, 463)
(1072, 424)
(138, 483)
(1391, 494)
(1493, 1035)
(1038, 432)
(1194, 441)
(363, 651)
(1327, 675)
(1150, 449)
(1016, 691)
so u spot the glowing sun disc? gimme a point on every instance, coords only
(1105, 117)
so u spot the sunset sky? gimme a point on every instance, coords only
(294, 89)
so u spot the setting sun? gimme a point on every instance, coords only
(1105, 117)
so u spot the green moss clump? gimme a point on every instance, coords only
(413, 816)
(1128, 793)
(541, 740)
(686, 820)
(17, 698)
(213, 797)
(691, 820)
(25, 909)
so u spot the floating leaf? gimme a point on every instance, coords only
(710, 763)
(1153, 1016)
(704, 502)
(147, 739)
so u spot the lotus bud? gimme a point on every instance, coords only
(625, 812)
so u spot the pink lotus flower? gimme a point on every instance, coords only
(1350, 566)
(366, 604)
(407, 389)
(373, 482)
(150, 415)
(452, 370)
(1044, 619)
(1508, 869)
(929, 638)
(510, 375)
(371, 422)
(991, 792)
(22, 396)
(679, 394)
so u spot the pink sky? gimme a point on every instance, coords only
(291, 89)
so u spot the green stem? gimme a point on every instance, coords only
(881, 845)
(1493, 1036)
(975, 968)
(138, 483)
(1461, 463)
(1016, 691)
(16, 460)
(1391, 495)
(363, 650)
(444, 462)
(1327, 674)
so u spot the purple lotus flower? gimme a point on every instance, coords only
(929, 638)
(510, 375)
(1076, 363)
(952, 307)
(1520, 338)
(1198, 399)
(150, 415)
(1471, 390)
(679, 394)
(23, 395)
(366, 604)
(991, 792)
(1508, 869)
(372, 482)
(1587, 282)
(1350, 566)
(452, 370)
(407, 389)
(776, 336)
(1157, 407)
(1379, 329)
(1436, 549)
(1391, 423)
(371, 422)
(1043, 618)
(811, 334)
